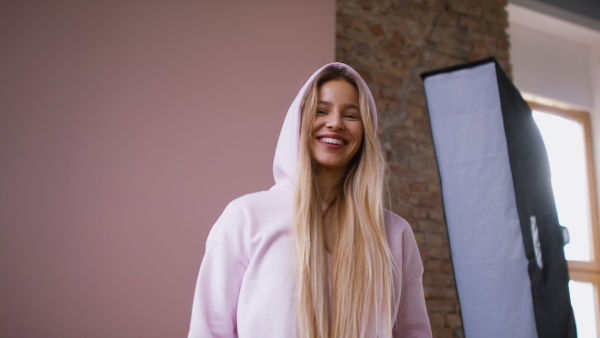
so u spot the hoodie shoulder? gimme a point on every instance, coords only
(242, 210)
(261, 206)
(250, 219)
(396, 226)
(394, 220)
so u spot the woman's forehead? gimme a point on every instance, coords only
(337, 90)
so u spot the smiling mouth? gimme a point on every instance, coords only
(331, 140)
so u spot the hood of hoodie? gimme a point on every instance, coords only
(286, 153)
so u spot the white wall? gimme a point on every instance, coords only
(551, 67)
(558, 60)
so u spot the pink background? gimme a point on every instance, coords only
(125, 129)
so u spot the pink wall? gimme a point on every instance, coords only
(125, 129)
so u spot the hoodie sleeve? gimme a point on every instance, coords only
(214, 311)
(412, 320)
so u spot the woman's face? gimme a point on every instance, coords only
(337, 131)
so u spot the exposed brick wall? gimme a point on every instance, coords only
(391, 43)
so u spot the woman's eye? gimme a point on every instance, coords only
(321, 112)
(351, 116)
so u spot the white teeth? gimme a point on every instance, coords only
(332, 141)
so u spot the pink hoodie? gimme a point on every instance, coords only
(247, 280)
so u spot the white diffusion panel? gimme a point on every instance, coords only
(481, 213)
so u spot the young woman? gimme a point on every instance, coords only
(317, 255)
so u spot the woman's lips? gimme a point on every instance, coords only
(332, 141)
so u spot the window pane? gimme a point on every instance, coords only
(584, 307)
(565, 144)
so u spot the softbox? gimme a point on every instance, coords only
(505, 239)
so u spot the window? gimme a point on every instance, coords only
(567, 136)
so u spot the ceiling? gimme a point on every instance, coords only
(584, 13)
(589, 9)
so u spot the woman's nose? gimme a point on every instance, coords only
(334, 121)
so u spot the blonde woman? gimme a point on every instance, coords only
(317, 255)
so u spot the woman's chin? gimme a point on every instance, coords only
(331, 166)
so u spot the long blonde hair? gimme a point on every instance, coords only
(362, 266)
